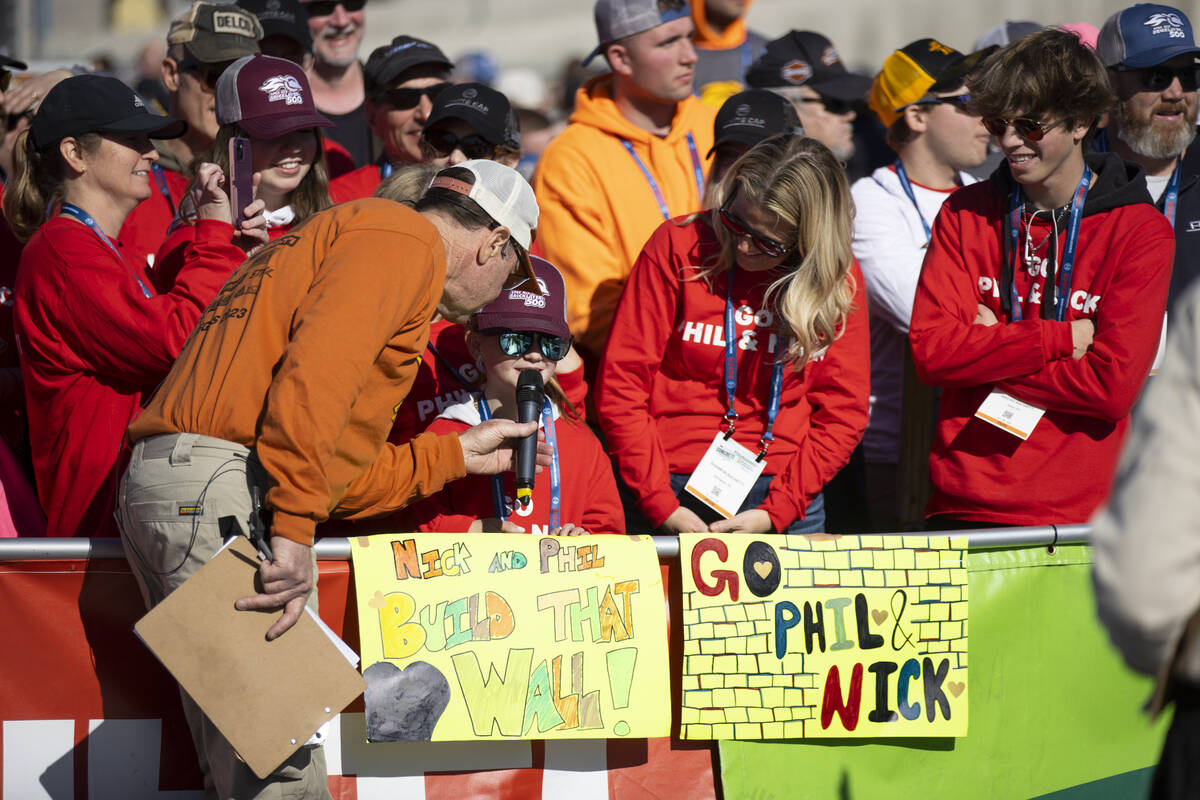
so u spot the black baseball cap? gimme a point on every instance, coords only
(806, 58)
(281, 18)
(97, 104)
(753, 115)
(11, 63)
(389, 62)
(487, 111)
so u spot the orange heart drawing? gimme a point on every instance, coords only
(879, 616)
(763, 568)
(956, 687)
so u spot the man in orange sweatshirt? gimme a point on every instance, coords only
(633, 155)
(287, 389)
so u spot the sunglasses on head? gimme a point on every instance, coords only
(1031, 130)
(205, 72)
(1160, 76)
(409, 97)
(832, 104)
(443, 143)
(959, 101)
(517, 343)
(738, 227)
(323, 8)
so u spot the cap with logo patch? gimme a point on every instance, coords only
(753, 115)
(806, 58)
(917, 70)
(281, 18)
(616, 19)
(214, 33)
(503, 195)
(486, 110)
(1145, 35)
(389, 62)
(522, 309)
(97, 104)
(268, 97)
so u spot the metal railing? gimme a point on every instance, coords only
(667, 546)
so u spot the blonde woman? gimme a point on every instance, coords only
(702, 392)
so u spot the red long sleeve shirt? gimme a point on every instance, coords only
(660, 395)
(1061, 473)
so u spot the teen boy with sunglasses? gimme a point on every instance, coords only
(471, 120)
(1151, 60)
(920, 98)
(403, 79)
(1040, 301)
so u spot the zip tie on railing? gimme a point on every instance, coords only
(1054, 541)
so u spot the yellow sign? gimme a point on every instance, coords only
(789, 637)
(508, 636)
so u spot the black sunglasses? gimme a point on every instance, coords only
(959, 101)
(832, 104)
(406, 98)
(517, 343)
(443, 143)
(738, 227)
(1030, 130)
(1160, 76)
(207, 73)
(323, 8)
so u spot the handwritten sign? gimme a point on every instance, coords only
(508, 636)
(823, 636)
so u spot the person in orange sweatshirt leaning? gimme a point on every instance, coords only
(633, 156)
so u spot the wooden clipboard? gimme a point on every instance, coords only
(266, 698)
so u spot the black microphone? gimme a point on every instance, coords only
(529, 404)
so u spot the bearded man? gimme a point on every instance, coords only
(1151, 58)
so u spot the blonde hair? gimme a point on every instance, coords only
(406, 184)
(38, 182)
(801, 182)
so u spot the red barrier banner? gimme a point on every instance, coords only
(86, 711)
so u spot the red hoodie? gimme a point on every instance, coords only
(91, 343)
(660, 396)
(589, 491)
(1061, 473)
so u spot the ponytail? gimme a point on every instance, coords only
(37, 183)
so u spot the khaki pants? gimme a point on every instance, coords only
(175, 490)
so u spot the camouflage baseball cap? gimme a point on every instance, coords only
(214, 33)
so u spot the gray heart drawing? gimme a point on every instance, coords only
(404, 705)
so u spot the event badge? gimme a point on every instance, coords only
(725, 476)
(1010, 414)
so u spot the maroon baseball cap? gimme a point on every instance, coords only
(268, 97)
(523, 309)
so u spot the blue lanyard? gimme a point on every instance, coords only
(697, 168)
(385, 169)
(160, 177)
(768, 435)
(458, 376)
(1068, 258)
(77, 213)
(485, 413)
(906, 185)
(1171, 196)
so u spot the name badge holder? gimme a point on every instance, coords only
(728, 470)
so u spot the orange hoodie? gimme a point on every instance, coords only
(597, 207)
(305, 356)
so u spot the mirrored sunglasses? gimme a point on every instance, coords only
(409, 97)
(1160, 76)
(323, 8)
(735, 225)
(1028, 129)
(472, 145)
(518, 343)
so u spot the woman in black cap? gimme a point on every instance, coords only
(93, 332)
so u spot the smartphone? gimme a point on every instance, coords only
(241, 191)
